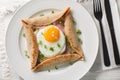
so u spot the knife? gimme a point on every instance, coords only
(112, 32)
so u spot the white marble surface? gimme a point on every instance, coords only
(97, 72)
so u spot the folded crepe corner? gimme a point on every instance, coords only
(70, 33)
(31, 43)
(48, 19)
(56, 60)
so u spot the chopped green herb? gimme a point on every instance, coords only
(74, 22)
(48, 70)
(80, 40)
(26, 54)
(50, 24)
(41, 56)
(42, 14)
(58, 45)
(52, 11)
(71, 63)
(42, 33)
(72, 51)
(25, 51)
(37, 28)
(45, 46)
(61, 22)
(23, 34)
(78, 31)
(39, 52)
(68, 43)
(56, 67)
(51, 48)
(40, 43)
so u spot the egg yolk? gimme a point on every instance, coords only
(51, 34)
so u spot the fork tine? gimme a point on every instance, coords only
(95, 3)
(94, 7)
(100, 5)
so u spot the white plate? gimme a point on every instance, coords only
(15, 44)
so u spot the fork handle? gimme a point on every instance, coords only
(105, 49)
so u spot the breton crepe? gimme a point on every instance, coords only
(69, 31)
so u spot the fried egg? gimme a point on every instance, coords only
(51, 41)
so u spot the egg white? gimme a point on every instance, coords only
(44, 45)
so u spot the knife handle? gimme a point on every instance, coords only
(115, 47)
(111, 27)
(104, 45)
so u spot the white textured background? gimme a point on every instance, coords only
(7, 9)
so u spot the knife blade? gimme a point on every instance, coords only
(112, 31)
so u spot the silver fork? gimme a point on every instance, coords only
(98, 15)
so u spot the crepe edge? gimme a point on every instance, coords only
(31, 43)
(30, 21)
(56, 60)
(71, 35)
